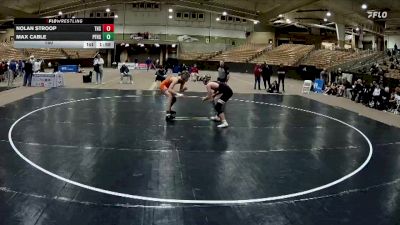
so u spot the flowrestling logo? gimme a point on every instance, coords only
(374, 14)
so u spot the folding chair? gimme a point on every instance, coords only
(306, 86)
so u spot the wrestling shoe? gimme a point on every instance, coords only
(223, 125)
(215, 118)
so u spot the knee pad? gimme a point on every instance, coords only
(219, 107)
(173, 99)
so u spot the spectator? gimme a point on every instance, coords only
(223, 72)
(331, 89)
(136, 61)
(348, 88)
(55, 68)
(376, 100)
(274, 87)
(394, 99)
(148, 63)
(357, 90)
(161, 74)
(324, 76)
(257, 76)
(385, 97)
(36, 66)
(281, 77)
(194, 73)
(20, 67)
(124, 70)
(157, 63)
(42, 66)
(12, 70)
(98, 68)
(28, 72)
(266, 75)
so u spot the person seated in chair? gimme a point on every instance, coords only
(160, 74)
(124, 70)
(194, 73)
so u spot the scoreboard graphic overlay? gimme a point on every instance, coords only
(64, 33)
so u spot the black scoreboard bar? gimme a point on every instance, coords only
(64, 33)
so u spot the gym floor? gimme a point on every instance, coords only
(97, 156)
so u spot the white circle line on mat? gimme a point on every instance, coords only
(188, 201)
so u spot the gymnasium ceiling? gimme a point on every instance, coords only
(299, 12)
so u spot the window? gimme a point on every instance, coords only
(223, 18)
(105, 15)
(112, 14)
(135, 5)
(178, 15)
(186, 15)
(244, 20)
(194, 16)
(156, 6)
(201, 16)
(148, 5)
(91, 15)
(237, 19)
(230, 18)
(142, 5)
(98, 15)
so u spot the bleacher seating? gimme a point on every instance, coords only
(80, 53)
(197, 55)
(287, 54)
(46, 53)
(7, 51)
(243, 53)
(328, 58)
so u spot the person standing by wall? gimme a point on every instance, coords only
(223, 72)
(281, 72)
(266, 75)
(98, 68)
(324, 76)
(257, 76)
(28, 72)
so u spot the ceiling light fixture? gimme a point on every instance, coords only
(116, 16)
(170, 16)
(280, 15)
(256, 21)
(60, 13)
(328, 14)
(108, 10)
(325, 19)
(288, 21)
(170, 10)
(357, 29)
(364, 6)
(173, 45)
(224, 13)
(217, 19)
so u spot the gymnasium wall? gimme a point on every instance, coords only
(131, 20)
(391, 40)
(6, 36)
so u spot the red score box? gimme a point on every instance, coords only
(108, 27)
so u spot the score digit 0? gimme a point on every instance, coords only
(108, 27)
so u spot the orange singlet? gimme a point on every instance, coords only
(165, 84)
